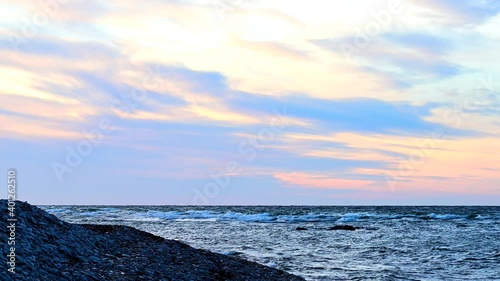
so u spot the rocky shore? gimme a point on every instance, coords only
(47, 248)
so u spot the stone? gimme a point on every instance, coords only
(342, 227)
(56, 250)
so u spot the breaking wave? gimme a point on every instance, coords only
(129, 214)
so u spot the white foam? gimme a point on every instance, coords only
(271, 264)
(445, 216)
(57, 210)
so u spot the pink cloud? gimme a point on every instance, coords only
(319, 181)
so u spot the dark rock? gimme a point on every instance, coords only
(50, 249)
(342, 227)
(300, 228)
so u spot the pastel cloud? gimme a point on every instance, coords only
(319, 181)
(465, 12)
(192, 83)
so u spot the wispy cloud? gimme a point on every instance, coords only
(210, 83)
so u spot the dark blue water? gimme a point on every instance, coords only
(392, 243)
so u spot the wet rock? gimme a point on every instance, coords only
(342, 227)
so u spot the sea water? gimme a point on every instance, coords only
(391, 243)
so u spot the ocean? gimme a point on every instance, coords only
(391, 243)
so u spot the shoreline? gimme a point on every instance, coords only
(51, 249)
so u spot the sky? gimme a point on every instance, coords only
(251, 102)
